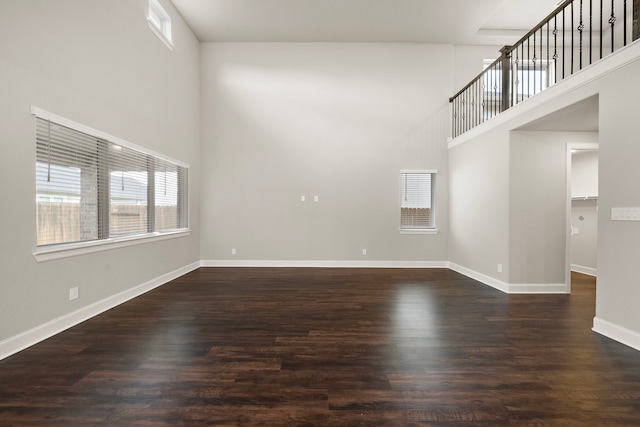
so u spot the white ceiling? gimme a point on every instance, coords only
(480, 22)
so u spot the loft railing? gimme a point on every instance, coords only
(575, 35)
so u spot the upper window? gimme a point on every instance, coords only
(160, 22)
(417, 211)
(89, 188)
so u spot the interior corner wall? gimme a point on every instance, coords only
(538, 205)
(99, 64)
(333, 120)
(479, 201)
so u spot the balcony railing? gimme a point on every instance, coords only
(574, 36)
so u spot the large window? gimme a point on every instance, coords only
(417, 210)
(92, 188)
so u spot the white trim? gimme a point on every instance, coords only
(419, 171)
(418, 231)
(482, 278)
(617, 333)
(613, 62)
(510, 288)
(66, 250)
(590, 271)
(161, 36)
(40, 333)
(43, 114)
(537, 288)
(324, 264)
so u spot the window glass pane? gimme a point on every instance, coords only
(166, 195)
(66, 181)
(127, 192)
(416, 209)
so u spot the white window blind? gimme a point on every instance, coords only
(416, 206)
(88, 188)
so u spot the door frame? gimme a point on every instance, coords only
(570, 147)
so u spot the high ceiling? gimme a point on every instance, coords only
(479, 22)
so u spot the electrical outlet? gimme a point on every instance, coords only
(73, 293)
(364, 252)
(499, 268)
(302, 198)
(234, 251)
(316, 198)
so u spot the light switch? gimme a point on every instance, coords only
(625, 214)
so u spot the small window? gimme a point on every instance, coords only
(160, 22)
(417, 211)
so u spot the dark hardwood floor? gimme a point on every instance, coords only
(329, 347)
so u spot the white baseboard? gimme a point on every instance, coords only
(511, 288)
(483, 278)
(584, 270)
(324, 264)
(537, 288)
(42, 332)
(617, 333)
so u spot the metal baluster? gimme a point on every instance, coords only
(513, 78)
(564, 56)
(528, 66)
(476, 103)
(492, 89)
(555, 48)
(541, 61)
(580, 28)
(590, 32)
(624, 24)
(548, 62)
(572, 48)
(601, 27)
(534, 64)
(459, 114)
(522, 73)
(612, 21)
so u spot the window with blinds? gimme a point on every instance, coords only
(417, 200)
(89, 188)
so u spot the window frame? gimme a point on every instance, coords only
(159, 22)
(421, 230)
(64, 250)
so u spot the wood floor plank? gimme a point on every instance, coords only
(329, 347)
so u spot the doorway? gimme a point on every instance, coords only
(582, 210)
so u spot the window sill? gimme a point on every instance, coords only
(50, 253)
(161, 36)
(418, 231)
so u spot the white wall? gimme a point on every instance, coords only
(479, 200)
(335, 120)
(538, 205)
(618, 294)
(96, 63)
